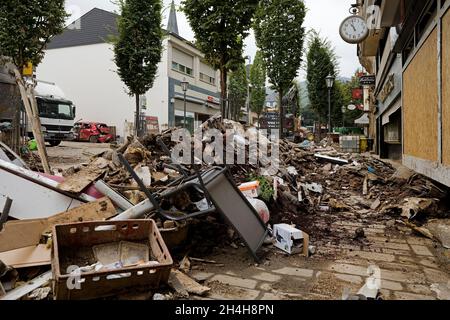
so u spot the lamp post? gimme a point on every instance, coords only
(344, 108)
(185, 87)
(330, 83)
(248, 88)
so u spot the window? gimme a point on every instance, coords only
(207, 79)
(179, 122)
(55, 110)
(183, 69)
(207, 73)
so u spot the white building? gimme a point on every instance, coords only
(81, 62)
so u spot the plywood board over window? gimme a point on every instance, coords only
(446, 89)
(420, 103)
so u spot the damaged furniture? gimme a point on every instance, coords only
(222, 196)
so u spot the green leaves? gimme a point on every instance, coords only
(320, 64)
(220, 28)
(258, 84)
(26, 26)
(138, 47)
(280, 35)
(237, 91)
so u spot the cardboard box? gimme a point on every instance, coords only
(290, 239)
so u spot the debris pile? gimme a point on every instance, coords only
(308, 187)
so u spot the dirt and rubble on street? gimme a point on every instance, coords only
(318, 227)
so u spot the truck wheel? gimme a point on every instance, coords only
(55, 143)
(93, 139)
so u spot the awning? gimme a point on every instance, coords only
(364, 120)
(390, 111)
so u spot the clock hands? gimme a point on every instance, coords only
(353, 26)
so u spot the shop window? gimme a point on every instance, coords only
(179, 122)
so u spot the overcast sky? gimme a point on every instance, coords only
(323, 15)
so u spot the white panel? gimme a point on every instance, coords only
(31, 200)
(205, 69)
(183, 58)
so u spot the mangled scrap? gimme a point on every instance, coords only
(156, 208)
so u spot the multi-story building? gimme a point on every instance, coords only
(81, 61)
(408, 50)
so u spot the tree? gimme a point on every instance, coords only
(237, 91)
(351, 115)
(220, 28)
(258, 85)
(279, 34)
(138, 47)
(321, 62)
(26, 27)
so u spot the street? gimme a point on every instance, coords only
(258, 150)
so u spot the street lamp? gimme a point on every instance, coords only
(330, 83)
(248, 89)
(344, 109)
(185, 87)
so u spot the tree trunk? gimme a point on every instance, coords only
(137, 121)
(223, 91)
(280, 104)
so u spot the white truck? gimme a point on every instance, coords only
(56, 112)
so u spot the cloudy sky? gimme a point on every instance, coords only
(324, 16)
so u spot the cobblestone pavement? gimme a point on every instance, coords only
(408, 266)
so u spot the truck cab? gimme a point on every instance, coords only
(57, 114)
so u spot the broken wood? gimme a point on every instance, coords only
(32, 256)
(33, 116)
(82, 179)
(423, 231)
(22, 233)
(183, 284)
(203, 260)
(25, 233)
(185, 265)
(331, 159)
(365, 186)
(99, 210)
(31, 285)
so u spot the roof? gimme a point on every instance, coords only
(92, 28)
(172, 25)
(96, 26)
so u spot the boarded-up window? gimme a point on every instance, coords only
(420, 103)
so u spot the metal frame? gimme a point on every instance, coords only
(154, 199)
(198, 181)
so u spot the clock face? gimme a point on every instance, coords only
(354, 29)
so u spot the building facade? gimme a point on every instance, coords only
(409, 52)
(81, 62)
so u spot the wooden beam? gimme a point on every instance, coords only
(34, 119)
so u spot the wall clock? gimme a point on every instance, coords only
(354, 29)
